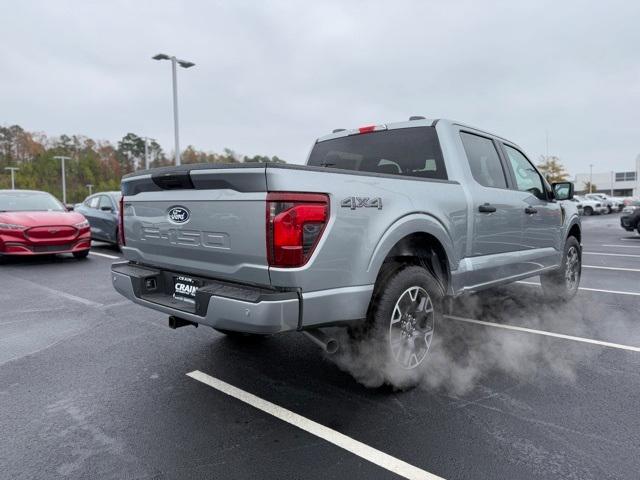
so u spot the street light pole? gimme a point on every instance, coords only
(611, 193)
(62, 158)
(13, 180)
(174, 75)
(591, 178)
(146, 152)
(90, 187)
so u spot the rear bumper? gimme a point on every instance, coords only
(218, 304)
(243, 308)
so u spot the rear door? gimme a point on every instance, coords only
(90, 211)
(497, 219)
(105, 218)
(209, 221)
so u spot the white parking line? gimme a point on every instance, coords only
(357, 448)
(611, 254)
(612, 268)
(622, 246)
(103, 255)
(617, 292)
(545, 333)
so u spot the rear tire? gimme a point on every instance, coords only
(404, 310)
(563, 283)
(81, 255)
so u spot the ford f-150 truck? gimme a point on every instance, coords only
(375, 233)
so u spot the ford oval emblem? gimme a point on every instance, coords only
(178, 214)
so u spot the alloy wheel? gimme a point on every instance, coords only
(411, 327)
(572, 268)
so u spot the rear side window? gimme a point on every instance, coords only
(484, 161)
(412, 152)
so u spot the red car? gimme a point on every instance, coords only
(36, 223)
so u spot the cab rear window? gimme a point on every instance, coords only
(412, 152)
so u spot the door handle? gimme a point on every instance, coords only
(530, 210)
(486, 208)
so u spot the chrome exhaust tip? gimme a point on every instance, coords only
(327, 343)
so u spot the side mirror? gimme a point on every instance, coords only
(563, 190)
(106, 209)
(69, 207)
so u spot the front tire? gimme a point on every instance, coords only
(588, 211)
(81, 255)
(563, 283)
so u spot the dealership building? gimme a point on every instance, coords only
(618, 184)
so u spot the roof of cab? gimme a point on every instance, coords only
(421, 122)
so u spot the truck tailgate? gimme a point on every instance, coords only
(204, 221)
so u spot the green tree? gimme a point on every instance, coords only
(552, 169)
(99, 163)
(131, 152)
(262, 159)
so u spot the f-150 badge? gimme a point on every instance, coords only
(361, 202)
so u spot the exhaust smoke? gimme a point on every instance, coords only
(462, 354)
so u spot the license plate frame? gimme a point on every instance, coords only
(185, 288)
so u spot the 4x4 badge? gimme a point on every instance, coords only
(360, 202)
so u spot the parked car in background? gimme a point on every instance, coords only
(36, 223)
(590, 206)
(612, 204)
(101, 210)
(630, 218)
(627, 200)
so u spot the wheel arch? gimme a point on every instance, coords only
(575, 231)
(417, 240)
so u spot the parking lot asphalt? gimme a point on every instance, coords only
(93, 386)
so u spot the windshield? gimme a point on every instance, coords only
(29, 202)
(413, 152)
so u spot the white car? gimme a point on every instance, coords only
(590, 206)
(612, 204)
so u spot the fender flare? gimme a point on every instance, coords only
(574, 220)
(407, 225)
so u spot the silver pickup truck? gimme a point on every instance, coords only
(380, 227)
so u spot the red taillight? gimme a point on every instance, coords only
(121, 222)
(295, 222)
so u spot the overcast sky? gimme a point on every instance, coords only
(270, 77)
